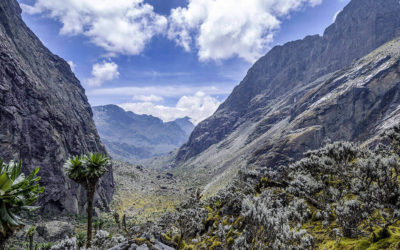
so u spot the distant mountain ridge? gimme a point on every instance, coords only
(186, 125)
(131, 137)
(262, 124)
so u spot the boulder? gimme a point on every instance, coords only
(55, 230)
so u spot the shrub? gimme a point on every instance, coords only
(17, 194)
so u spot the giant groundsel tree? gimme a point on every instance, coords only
(87, 170)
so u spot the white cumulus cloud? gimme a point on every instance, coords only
(118, 26)
(198, 107)
(102, 72)
(221, 29)
(216, 29)
(72, 65)
(148, 98)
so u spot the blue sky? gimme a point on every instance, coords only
(170, 58)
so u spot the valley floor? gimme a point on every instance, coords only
(144, 194)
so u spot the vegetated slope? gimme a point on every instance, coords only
(131, 137)
(44, 114)
(301, 94)
(341, 196)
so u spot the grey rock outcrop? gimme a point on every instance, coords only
(130, 245)
(44, 114)
(131, 137)
(302, 94)
(55, 230)
(361, 27)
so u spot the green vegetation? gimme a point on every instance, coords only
(98, 224)
(31, 232)
(87, 171)
(17, 194)
(342, 196)
(80, 239)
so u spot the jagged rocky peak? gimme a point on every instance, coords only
(132, 137)
(361, 27)
(45, 115)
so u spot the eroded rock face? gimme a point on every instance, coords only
(44, 114)
(352, 104)
(303, 94)
(361, 27)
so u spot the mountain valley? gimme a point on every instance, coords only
(303, 154)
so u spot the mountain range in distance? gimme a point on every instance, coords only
(131, 137)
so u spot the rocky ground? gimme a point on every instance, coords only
(144, 194)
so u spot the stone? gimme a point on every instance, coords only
(55, 230)
(161, 246)
(142, 247)
(45, 115)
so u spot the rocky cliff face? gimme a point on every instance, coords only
(131, 137)
(303, 93)
(361, 27)
(44, 113)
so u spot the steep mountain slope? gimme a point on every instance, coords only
(131, 137)
(45, 115)
(275, 114)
